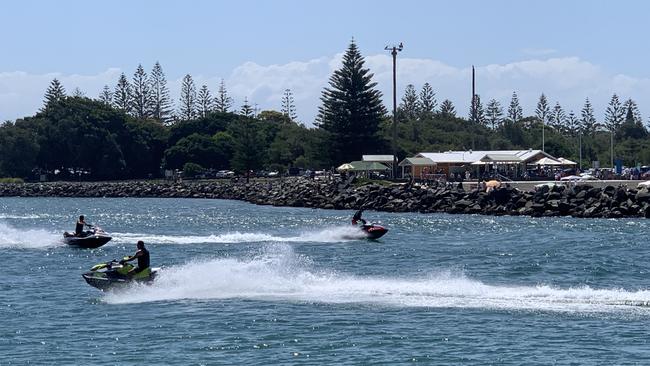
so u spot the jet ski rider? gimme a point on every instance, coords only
(357, 217)
(142, 254)
(79, 228)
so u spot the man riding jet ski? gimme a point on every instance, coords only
(105, 276)
(93, 238)
(373, 231)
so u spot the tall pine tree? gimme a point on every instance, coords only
(557, 119)
(54, 93)
(141, 94)
(205, 102)
(515, 112)
(428, 102)
(106, 96)
(614, 114)
(494, 114)
(572, 124)
(247, 109)
(288, 106)
(161, 103)
(410, 105)
(351, 110)
(122, 94)
(223, 102)
(630, 104)
(476, 111)
(187, 107)
(447, 109)
(588, 123)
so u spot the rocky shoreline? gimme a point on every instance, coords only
(577, 201)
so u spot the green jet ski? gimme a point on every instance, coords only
(114, 274)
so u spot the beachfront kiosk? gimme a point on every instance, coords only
(509, 164)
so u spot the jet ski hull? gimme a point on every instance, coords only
(374, 231)
(113, 281)
(94, 241)
(94, 238)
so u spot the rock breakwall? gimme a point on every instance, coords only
(579, 201)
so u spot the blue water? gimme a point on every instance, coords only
(244, 284)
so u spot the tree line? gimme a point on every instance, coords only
(136, 130)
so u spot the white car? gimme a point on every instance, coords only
(645, 184)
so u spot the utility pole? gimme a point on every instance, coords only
(473, 95)
(393, 51)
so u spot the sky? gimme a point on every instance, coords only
(568, 50)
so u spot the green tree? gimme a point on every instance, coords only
(427, 103)
(515, 112)
(161, 103)
(54, 93)
(409, 107)
(248, 145)
(204, 102)
(476, 111)
(141, 97)
(614, 114)
(18, 151)
(447, 109)
(588, 123)
(195, 148)
(631, 104)
(288, 105)
(351, 110)
(123, 95)
(246, 109)
(187, 107)
(106, 96)
(557, 118)
(494, 114)
(222, 101)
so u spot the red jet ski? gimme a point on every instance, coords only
(374, 231)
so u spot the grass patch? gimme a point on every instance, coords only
(365, 181)
(11, 180)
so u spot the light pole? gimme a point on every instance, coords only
(393, 51)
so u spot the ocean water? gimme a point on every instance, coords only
(242, 284)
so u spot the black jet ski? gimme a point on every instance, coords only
(114, 274)
(93, 238)
(374, 231)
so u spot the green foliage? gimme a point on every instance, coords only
(351, 110)
(191, 170)
(199, 149)
(248, 145)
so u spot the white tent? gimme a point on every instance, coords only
(567, 161)
(547, 161)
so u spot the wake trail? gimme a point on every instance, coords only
(11, 237)
(328, 235)
(285, 277)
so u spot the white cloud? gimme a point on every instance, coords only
(568, 80)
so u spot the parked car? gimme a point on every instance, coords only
(224, 174)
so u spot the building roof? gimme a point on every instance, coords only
(469, 157)
(367, 165)
(417, 162)
(501, 158)
(378, 158)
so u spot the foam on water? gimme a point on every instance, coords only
(328, 235)
(283, 276)
(11, 237)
